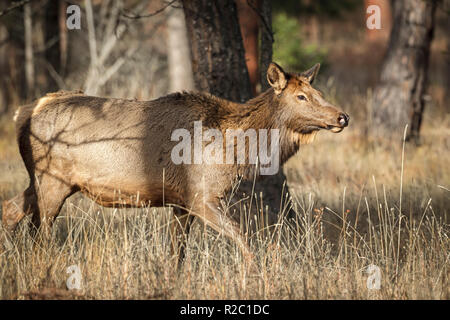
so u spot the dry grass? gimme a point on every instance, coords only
(346, 200)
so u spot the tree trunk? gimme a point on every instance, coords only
(218, 57)
(52, 63)
(399, 97)
(218, 62)
(266, 42)
(178, 52)
(29, 60)
(40, 47)
(248, 21)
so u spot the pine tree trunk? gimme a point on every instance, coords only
(266, 42)
(218, 56)
(399, 98)
(178, 52)
(50, 15)
(248, 21)
(218, 62)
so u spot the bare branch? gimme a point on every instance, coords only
(58, 79)
(116, 66)
(91, 32)
(14, 6)
(111, 23)
(113, 30)
(150, 14)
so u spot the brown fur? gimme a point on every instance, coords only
(105, 147)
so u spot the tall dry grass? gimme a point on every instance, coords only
(354, 204)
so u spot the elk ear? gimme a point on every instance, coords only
(276, 77)
(311, 74)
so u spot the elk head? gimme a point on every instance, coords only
(301, 108)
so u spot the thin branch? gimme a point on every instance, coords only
(5, 41)
(50, 43)
(14, 6)
(150, 14)
(116, 66)
(91, 33)
(54, 74)
(114, 30)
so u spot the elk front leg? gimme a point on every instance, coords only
(211, 216)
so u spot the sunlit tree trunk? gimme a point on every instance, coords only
(178, 52)
(248, 21)
(52, 63)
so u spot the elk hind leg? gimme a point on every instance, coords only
(51, 194)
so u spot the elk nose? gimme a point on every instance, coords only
(343, 119)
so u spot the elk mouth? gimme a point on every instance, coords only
(329, 127)
(335, 129)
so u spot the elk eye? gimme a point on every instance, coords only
(301, 97)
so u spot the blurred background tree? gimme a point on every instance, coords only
(400, 96)
(297, 29)
(290, 48)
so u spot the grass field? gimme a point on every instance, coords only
(355, 204)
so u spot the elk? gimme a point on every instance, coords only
(72, 142)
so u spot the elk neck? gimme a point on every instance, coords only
(263, 112)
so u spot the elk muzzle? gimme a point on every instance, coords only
(342, 120)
